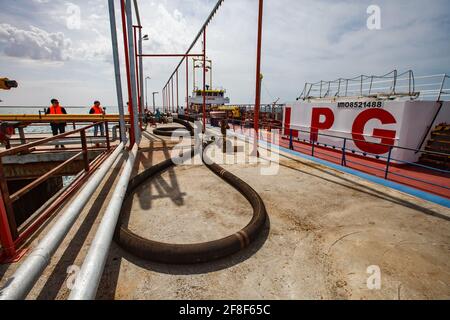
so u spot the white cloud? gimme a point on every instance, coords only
(35, 43)
(97, 49)
(38, 44)
(303, 40)
(170, 32)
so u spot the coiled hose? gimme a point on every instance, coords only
(200, 252)
(168, 131)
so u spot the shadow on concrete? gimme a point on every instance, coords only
(3, 269)
(108, 283)
(163, 188)
(59, 274)
(367, 190)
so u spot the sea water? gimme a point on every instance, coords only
(43, 128)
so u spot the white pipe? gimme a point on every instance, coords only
(23, 280)
(115, 51)
(88, 278)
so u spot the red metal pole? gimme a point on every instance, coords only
(178, 102)
(173, 101)
(84, 148)
(127, 63)
(204, 80)
(258, 69)
(187, 84)
(137, 75)
(169, 107)
(6, 239)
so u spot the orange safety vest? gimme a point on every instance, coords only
(56, 110)
(97, 110)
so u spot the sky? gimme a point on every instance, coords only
(62, 49)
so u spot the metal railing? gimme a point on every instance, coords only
(12, 235)
(315, 150)
(33, 132)
(389, 86)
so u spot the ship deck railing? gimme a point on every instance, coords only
(385, 87)
(387, 166)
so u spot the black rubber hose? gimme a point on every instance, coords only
(200, 252)
(168, 131)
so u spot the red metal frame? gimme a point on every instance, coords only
(178, 102)
(167, 100)
(139, 102)
(164, 98)
(9, 253)
(10, 237)
(168, 90)
(32, 227)
(173, 101)
(168, 93)
(169, 106)
(187, 84)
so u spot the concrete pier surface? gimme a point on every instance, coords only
(327, 236)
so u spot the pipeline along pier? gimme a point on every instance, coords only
(324, 230)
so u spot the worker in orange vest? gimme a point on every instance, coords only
(58, 127)
(97, 109)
